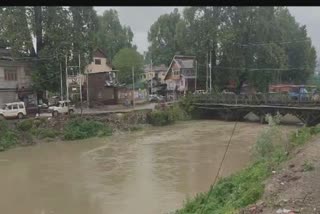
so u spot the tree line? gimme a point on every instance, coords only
(64, 31)
(258, 45)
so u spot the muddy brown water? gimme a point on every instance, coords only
(149, 171)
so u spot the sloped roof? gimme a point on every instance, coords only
(99, 52)
(182, 62)
(157, 68)
(185, 63)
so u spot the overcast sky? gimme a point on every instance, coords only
(141, 18)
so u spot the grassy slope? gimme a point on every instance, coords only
(246, 187)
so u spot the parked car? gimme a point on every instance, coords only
(13, 110)
(200, 92)
(63, 107)
(155, 98)
(33, 109)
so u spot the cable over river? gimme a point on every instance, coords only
(149, 171)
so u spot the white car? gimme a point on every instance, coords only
(13, 110)
(63, 107)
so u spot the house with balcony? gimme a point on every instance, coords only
(181, 75)
(15, 79)
(102, 84)
(154, 77)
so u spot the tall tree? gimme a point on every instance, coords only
(258, 45)
(163, 44)
(124, 60)
(111, 35)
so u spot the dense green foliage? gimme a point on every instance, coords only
(246, 187)
(79, 128)
(59, 31)
(111, 35)
(167, 116)
(8, 137)
(162, 38)
(124, 60)
(260, 45)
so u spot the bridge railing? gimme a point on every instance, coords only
(259, 99)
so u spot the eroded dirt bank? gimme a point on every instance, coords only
(296, 187)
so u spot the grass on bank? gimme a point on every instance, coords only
(8, 137)
(167, 116)
(246, 187)
(79, 128)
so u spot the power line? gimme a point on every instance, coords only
(221, 163)
(257, 69)
(271, 43)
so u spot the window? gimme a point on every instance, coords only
(20, 106)
(10, 74)
(97, 61)
(176, 72)
(15, 107)
(9, 107)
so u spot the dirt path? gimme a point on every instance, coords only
(295, 188)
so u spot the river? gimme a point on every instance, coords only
(144, 172)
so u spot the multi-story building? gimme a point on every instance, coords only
(181, 74)
(15, 79)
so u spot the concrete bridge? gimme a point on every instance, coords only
(235, 107)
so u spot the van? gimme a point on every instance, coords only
(13, 110)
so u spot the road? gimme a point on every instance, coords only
(109, 109)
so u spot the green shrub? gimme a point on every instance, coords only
(301, 136)
(25, 125)
(167, 116)
(8, 137)
(79, 128)
(186, 103)
(160, 118)
(42, 133)
(308, 166)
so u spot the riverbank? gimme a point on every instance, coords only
(63, 128)
(232, 194)
(94, 124)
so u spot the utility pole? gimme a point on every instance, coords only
(67, 85)
(88, 89)
(61, 82)
(195, 81)
(133, 101)
(210, 71)
(152, 76)
(207, 83)
(80, 76)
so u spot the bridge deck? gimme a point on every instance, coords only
(237, 106)
(222, 105)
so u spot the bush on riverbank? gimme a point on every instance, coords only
(246, 187)
(8, 137)
(80, 128)
(167, 116)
